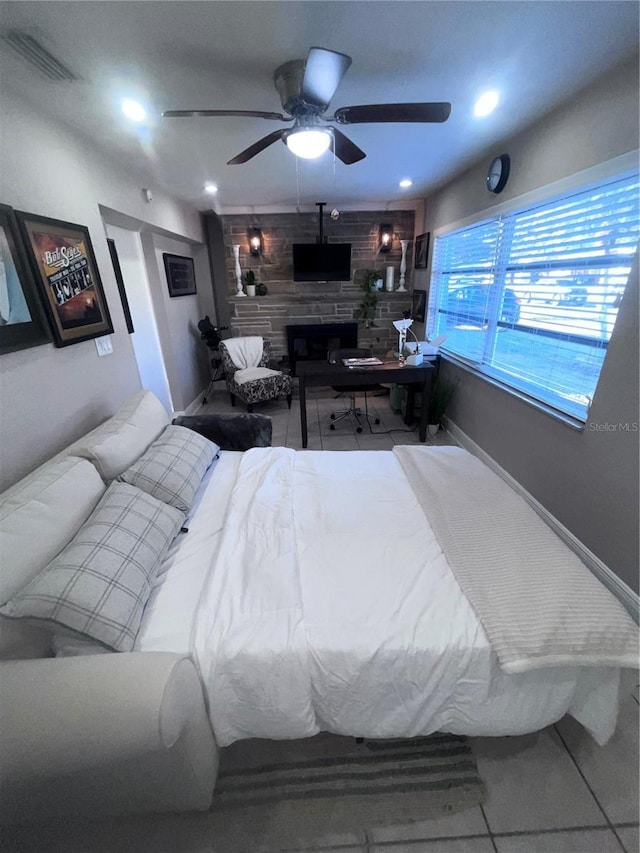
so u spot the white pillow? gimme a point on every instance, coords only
(41, 514)
(121, 440)
(38, 517)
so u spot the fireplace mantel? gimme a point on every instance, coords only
(299, 298)
(270, 315)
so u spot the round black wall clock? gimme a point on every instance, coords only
(498, 173)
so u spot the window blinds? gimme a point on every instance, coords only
(531, 297)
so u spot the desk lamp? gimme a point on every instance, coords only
(402, 327)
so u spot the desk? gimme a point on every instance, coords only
(321, 373)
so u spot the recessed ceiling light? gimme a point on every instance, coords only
(405, 182)
(210, 188)
(486, 104)
(133, 110)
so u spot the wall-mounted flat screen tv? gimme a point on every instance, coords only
(322, 261)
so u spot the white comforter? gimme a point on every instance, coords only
(330, 606)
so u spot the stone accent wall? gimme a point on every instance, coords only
(289, 302)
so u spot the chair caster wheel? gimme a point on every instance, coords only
(332, 426)
(377, 421)
(333, 417)
(358, 429)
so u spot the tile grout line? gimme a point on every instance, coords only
(584, 779)
(525, 833)
(555, 831)
(370, 844)
(409, 842)
(486, 820)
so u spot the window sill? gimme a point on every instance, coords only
(568, 420)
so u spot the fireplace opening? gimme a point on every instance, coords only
(314, 341)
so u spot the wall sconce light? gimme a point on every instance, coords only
(255, 241)
(386, 238)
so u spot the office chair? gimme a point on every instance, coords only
(336, 356)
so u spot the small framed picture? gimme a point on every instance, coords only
(181, 277)
(418, 305)
(422, 251)
(67, 278)
(22, 323)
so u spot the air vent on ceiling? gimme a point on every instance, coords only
(37, 55)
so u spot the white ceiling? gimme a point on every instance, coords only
(221, 55)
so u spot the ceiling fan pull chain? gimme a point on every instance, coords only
(333, 149)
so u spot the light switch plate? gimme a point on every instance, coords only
(104, 345)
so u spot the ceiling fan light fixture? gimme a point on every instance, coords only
(308, 143)
(405, 183)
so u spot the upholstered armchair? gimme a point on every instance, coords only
(245, 364)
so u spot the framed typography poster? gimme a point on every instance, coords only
(67, 278)
(22, 323)
(181, 278)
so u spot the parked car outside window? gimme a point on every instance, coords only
(471, 304)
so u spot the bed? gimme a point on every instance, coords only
(331, 599)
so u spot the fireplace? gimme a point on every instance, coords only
(314, 341)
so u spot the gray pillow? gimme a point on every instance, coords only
(173, 467)
(98, 585)
(231, 432)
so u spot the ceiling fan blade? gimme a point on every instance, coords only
(345, 149)
(430, 112)
(215, 113)
(256, 148)
(324, 69)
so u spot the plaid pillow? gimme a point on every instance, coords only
(173, 467)
(99, 584)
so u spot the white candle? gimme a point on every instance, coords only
(389, 285)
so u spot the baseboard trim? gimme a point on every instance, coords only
(627, 597)
(193, 406)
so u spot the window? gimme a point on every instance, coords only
(531, 297)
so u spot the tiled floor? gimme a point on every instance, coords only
(552, 792)
(320, 404)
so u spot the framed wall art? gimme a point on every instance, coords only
(67, 278)
(22, 323)
(422, 251)
(418, 305)
(181, 277)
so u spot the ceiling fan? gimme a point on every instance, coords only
(305, 88)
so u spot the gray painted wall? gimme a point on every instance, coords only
(51, 396)
(588, 479)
